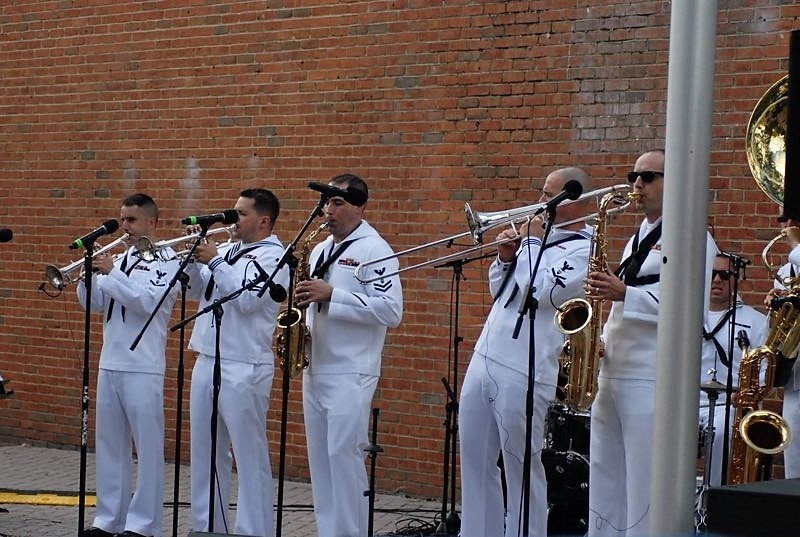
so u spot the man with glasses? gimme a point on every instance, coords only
(621, 442)
(728, 317)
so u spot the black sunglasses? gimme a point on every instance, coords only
(724, 275)
(647, 177)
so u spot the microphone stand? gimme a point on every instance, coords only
(289, 259)
(184, 279)
(529, 305)
(181, 270)
(738, 265)
(87, 271)
(450, 522)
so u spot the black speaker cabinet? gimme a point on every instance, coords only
(206, 534)
(754, 509)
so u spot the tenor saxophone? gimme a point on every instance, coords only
(581, 320)
(292, 321)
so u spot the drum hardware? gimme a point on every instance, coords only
(567, 476)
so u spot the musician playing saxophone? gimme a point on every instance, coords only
(348, 321)
(492, 407)
(791, 391)
(621, 442)
(721, 324)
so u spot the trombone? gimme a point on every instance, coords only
(148, 250)
(58, 278)
(481, 222)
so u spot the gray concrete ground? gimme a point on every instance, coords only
(25, 469)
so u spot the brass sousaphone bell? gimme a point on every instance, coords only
(765, 140)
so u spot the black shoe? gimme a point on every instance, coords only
(129, 533)
(96, 532)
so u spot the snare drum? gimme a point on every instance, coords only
(567, 492)
(567, 430)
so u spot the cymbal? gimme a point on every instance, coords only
(714, 386)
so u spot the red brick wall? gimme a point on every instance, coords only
(434, 103)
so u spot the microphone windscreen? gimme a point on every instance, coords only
(231, 216)
(573, 189)
(6, 235)
(111, 226)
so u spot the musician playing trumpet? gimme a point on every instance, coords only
(492, 408)
(130, 384)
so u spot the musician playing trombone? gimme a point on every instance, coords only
(492, 408)
(130, 384)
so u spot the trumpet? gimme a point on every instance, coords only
(148, 250)
(481, 222)
(58, 278)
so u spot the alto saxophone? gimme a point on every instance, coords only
(581, 320)
(292, 321)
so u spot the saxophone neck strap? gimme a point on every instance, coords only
(628, 270)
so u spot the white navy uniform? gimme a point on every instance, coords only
(130, 392)
(791, 392)
(347, 340)
(621, 442)
(247, 369)
(718, 327)
(492, 413)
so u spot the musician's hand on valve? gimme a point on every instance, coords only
(103, 263)
(313, 290)
(205, 251)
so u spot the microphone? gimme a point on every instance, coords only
(572, 191)
(350, 194)
(6, 235)
(742, 340)
(276, 291)
(108, 227)
(229, 216)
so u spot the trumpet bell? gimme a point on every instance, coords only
(55, 277)
(766, 140)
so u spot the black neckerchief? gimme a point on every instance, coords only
(710, 336)
(321, 267)
(628, 270)
(230, 259)
(127, 272)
